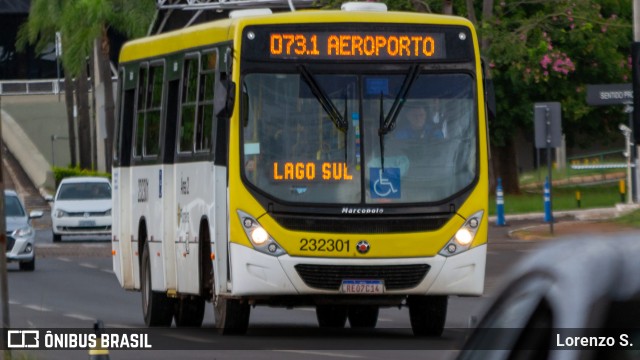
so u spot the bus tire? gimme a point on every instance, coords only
(157, 308)
(331, 316)
(427, 314)
(231, 316)
(364, 317)
(189, 311)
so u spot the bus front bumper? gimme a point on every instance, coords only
(258, 274)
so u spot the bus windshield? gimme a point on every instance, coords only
(295, 151)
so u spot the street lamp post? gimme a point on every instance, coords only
(4, 287)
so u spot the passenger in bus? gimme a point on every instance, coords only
(415, 124)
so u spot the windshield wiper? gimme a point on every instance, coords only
(388, 123)
(338, 120)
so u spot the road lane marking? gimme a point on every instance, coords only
(64, 259)
(36, 307)
(87, 265)
(80, 317)
(319, 353)
(108, 271)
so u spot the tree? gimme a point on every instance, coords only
(81, 22)
(548, 51)
(87, 21)
(39, 30)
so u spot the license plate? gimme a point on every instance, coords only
(362, 287)
(86, 223)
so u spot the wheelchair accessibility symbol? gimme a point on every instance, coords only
(385, 184)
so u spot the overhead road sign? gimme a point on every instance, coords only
(609, 94)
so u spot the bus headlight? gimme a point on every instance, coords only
(259, 237)
(463, 238)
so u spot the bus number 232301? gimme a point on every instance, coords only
(326, 245)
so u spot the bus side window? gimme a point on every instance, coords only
(150, 91)
(189, 105)
(171, 123)
(204, 125)
(126, 128)
(154, 111)
(143, 73)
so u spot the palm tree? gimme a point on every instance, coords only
(81, 23)
(87, 21)
(39, 30)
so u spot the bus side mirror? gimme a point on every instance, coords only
(224, 98)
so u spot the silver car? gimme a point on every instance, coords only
(573, 299)
(20, 233)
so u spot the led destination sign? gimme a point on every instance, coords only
(311, 171)
(356, 45)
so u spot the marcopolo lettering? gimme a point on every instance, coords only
(365, 211)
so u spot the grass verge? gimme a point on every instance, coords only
(563, 198)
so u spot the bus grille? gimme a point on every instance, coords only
(395, 277)
(362, 225)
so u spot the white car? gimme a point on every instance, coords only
(20, 234)
(82, 206)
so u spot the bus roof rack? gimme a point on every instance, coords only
(176, 14)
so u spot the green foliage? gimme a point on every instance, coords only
(85, 21)
(81, 23)
(60, 173)
(549, 51)
(632, 218)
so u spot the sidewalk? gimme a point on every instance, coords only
(581, 215)
(567, 223)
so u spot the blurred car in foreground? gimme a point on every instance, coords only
(82, 206)
(574, 299)
(20, 233)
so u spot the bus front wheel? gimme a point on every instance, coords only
(157, 308)
(427, 314)
(231, 316)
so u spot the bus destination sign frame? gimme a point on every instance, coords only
(366, 45)
(356, 42)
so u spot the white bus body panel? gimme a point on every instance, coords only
(120, 243)
(193, 189)
(220, 235)
(255, 273)
(147, 203)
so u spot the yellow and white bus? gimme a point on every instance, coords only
(276, 159)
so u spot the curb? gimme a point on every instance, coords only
(581, 215)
